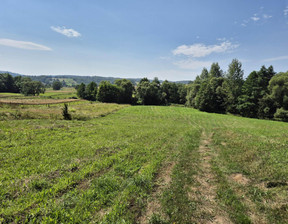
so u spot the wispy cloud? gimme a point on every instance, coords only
(285, 11)
(265, 16)
(259, 18)
(244, 23)
(192, 64)
(255, 18)
(67, 32)
(24, 45)
(202, 50)
(276, 59)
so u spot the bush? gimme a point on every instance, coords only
(65, 112)
(281, 115)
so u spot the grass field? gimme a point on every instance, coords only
(65, 94)
(140, 164)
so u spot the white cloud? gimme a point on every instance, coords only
(192, 64)
(276, 59)
(67, 32)
(265, 16)
(285, 11)
(222, 39)
(23, 45)
(255, 18)
(201, 50)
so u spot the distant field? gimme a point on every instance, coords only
(68, 81)
(59, 94)
(63, 94)
(140, 164)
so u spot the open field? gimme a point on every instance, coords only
(49, 97)
(140, 164)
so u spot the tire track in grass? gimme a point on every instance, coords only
(162, 181)
(208, 210)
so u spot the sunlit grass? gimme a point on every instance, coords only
(99, 168)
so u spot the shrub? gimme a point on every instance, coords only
(281, 115)
(65, 112)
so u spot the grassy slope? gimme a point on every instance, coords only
(106, 169)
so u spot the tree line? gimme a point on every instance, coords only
(264, 94)
(19, 84)
(146, 92)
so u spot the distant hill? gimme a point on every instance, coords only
(73, 80)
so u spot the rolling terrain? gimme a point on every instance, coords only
(140, 164)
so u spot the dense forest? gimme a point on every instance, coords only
(263, 94)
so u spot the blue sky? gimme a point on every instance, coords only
(170, 39)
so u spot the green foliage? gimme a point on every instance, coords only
(149, 93)
(108, 92)
(182, 91)
(57, 85)
(20, 84)
(215, 71)
(81, 91)
(126, 90)
(278, 90)
(32, 88)
(65, 112)
(90, 91)
(170, 92)
(204, 74)
(281, 114)
(211, 96)
(254, 89)
(192, 93)
(234, 83)
(7, 83)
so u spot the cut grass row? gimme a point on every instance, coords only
(105, 170)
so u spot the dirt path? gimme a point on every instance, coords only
(154, 206)
(205, 192)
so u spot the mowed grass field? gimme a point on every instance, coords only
(141, 164)
(49, 97)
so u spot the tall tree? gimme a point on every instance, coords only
(149, 93)
(234, 83)
(170, 92)
(211, 96)
(248, 101)
(81, 91)
(275, 104)
(7, 83)
(91, 91)
(254, 89)
(204, 74)
(182, 92)
(193, 92)
(215, 71)
(127, 90)
(108, 92)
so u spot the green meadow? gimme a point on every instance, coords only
(140, 164)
